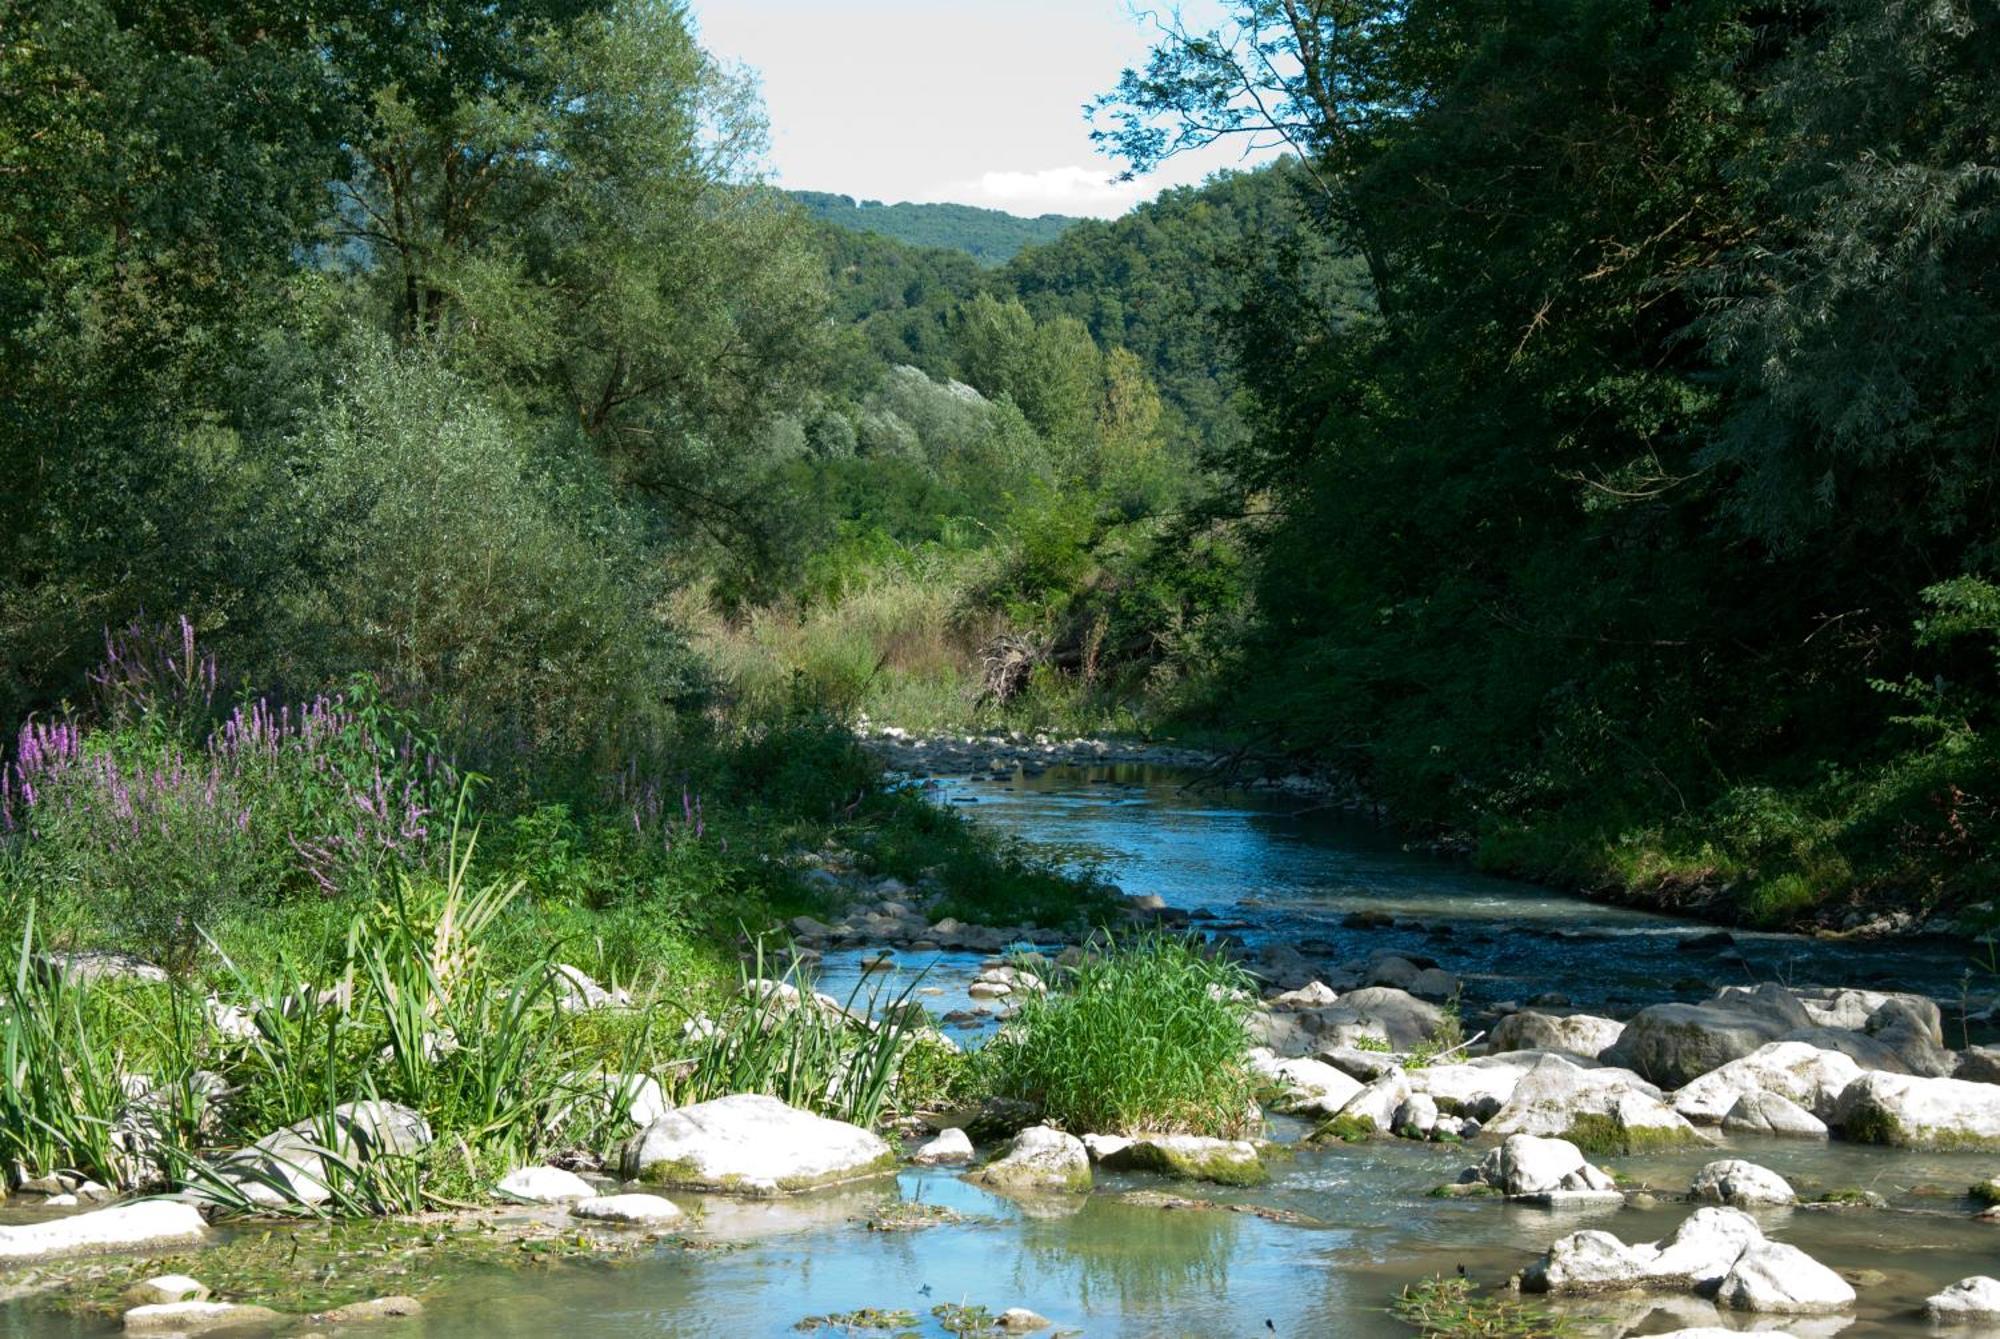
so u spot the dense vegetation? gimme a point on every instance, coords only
(989, 236)
(1643, 529)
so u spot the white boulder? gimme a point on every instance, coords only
(1585, 1036)
(752, 1144)
(1040, 1159)
(638, 1210)
(146, 1223)
(1772, 1277)
(1973, 1299)
(1699, 1254)
(544, 1185)
(1769, 1114)
(1742, 1184)
(950, 1146)
(1912, 1112)
(1803, 1074)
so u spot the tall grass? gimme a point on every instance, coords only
(842, 1059)
(1148, 1037)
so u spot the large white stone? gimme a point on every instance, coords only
(1806, 1075)
(950, 1146)
(289, 1166)
(144, 1224)
(1700, 1253)
(1582, 1035)
(1973, 1299)
(1775, 1278)
(1911, 1112)
(1310, 1087)
(1674, 1044)
(1377, 1103)
(1477, 1088)
(1770, 1114)
(1742, 1184)
(1040, 1158)
(1553, 1095)
(640, 1210)
(752, 1144)
(1527, 1167)
(544, 1185)
(197, 1317)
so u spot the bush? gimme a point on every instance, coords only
(1149, 1037)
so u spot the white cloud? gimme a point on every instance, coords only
(1053, 190)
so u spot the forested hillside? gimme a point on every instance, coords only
(989, 236)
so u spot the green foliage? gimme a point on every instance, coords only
(1148, 1037)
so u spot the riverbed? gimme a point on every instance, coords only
(1357, 1221)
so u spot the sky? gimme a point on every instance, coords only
(974, 101)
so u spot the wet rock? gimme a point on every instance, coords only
(1020, 1320)
(752, 1144)
(950, 1146)
(1674, 1044)
(637, 1210)
(1741, 1185)
(1773, 1278)
(1713, 942)
(1040, 1159)
(1583, 1035)
(1187, 1157)
(1811, 1077)
(374, 1309)
(1973, 1299)
(1700, 1253)
(1531, 1168)
(197, 1317)
(166, 1288)
(544, 1185)
(1911, 1112)
(1769, 1114)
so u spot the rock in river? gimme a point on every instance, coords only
(1719, 1249)
(1742, 1184)
(142, 1225)
(1040, 1158)
(1582, 1035)
(752, 1144)
(1551, 1170)
(1973, 1299)
(1911, 1112)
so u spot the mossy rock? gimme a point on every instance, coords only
(1465, 1190)
(1223, 1165)
(1605, 1136)
(1986, 1192)
(1344, 1130)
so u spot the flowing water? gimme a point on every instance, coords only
(1115, 1265)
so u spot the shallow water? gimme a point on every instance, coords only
(1106, 1266)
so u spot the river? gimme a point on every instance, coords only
(1111, 1266)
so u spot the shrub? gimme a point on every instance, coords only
(1148, 1037)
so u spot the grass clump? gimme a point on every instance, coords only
(1149, 1037)
(1444, 1307)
